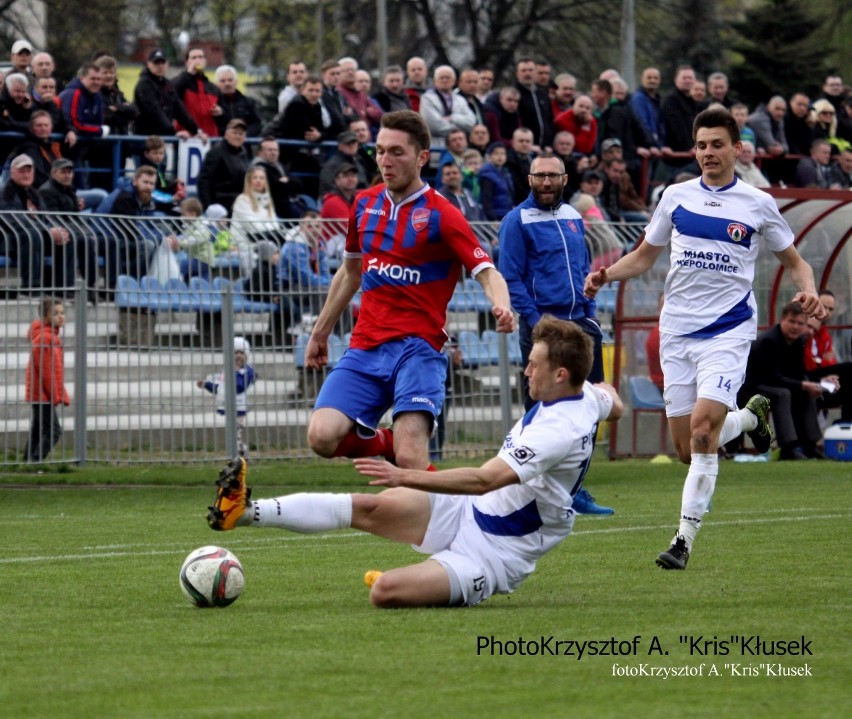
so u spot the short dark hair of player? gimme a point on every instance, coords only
(716, 117)
(792, 308)
(568, 346)
(411, 123)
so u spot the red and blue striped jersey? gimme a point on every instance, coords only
(411, 258)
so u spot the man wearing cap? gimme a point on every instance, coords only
(200, 97)
(337, 205)
(345, 154)
(159, 104)
(223, 170)
(27, 240)
(59, 195)
(337, 202)
(21, 57)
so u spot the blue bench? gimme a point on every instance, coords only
(177, 296)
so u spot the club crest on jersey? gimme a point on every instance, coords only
(737, 232)
(420, 218)
(522, 455)
(572, 226)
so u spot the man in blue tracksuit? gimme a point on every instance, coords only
(545, 259)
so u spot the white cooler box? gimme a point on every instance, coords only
(838, 441)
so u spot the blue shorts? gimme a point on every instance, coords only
(408, 375)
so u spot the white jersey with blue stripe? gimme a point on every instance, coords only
(550, 449)
(713, 234)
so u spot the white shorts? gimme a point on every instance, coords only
(454, 539)
(707, 368)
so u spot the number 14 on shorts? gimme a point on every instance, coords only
(724, 383)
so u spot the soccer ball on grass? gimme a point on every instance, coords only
(212, 577)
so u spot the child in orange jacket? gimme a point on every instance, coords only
(45, 386)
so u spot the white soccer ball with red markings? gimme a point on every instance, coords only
(212, 577)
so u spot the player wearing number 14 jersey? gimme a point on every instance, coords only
(710, 316)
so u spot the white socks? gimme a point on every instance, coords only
(697, 491)
(303, 512)
(737, 422)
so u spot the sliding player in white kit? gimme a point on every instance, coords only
(484, 527)
(710, 315)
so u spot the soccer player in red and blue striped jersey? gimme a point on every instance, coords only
(405, 250)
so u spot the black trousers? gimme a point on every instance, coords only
(45, 432)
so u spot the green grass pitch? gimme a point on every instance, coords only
(95, 625)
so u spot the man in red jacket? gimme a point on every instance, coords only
(198, 94)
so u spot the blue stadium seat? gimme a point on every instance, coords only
(472, 352)
(646, 397)
(129, 295)
(205, 297)
(491, 346)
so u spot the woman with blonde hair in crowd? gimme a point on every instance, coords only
(825, 127)
(253, 218)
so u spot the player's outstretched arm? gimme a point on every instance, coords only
(803, 277)
(633, 263)
(344, 285)
(497, 291)
(494, 474)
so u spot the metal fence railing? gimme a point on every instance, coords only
(142, 331)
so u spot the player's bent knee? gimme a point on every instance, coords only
(321, 442)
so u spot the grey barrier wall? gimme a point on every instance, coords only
(141, 334)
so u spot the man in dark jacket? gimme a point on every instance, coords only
(28, 237)
(223, 170)
(127, 246)
(679, 111)
(158, 103)
(302, 120)
(83, 109)
(199, 96)
(534, 108)
(281, 186)
(16, 106)
(40, 147)
(776, 369)
(234, 104)
(58, 195)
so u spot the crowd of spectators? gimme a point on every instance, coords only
(617, 142)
